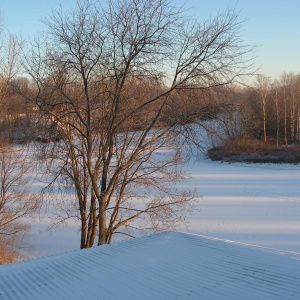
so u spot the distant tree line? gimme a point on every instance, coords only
(269, 110)
(280, 114)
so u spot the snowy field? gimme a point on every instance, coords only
(251, 203)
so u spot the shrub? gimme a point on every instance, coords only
(8, 249)
(255, 151)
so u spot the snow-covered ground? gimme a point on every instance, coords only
(251, 203)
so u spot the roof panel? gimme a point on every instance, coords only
(168, 265)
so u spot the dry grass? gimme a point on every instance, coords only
(8, 252)
(255, 151)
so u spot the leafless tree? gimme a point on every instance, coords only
(9, 53)
(275, 90)
(293, 96)
(105, 77)
(263, 83)
(16, 203)
(10, 47)
(284, 83)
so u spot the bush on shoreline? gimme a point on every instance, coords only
(254, 151)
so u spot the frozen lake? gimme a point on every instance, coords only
(251, 203)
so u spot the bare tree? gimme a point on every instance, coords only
(10, 47)
(16, 203)
(105, 77)
(284, 82)
(293, 89)
(275, 90)
(9, 53)
(263, 83)
(298, 110)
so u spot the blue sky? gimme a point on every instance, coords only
(271, 25)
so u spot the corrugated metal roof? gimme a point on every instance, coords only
(169, 265)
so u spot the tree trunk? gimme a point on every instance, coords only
(102, 221)
(93, 222)
(285, 121)
(277, 118)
